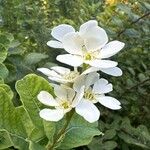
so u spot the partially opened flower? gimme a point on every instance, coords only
(89, 46)
(66, 99)
(95, 90)
(60, 74)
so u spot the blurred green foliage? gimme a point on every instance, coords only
(25, 28)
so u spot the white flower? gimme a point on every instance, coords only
(58, 33)
(95, 90)
(89, 46)
(65, 100)
(60, 74)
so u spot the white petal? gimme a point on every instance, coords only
(85, 80)
(102, 86)
(95, 38)
(73, 43)
(91, 78)
(48, 72)
(71, 60)
(60, 80)
(86, 26)
(55, 44)
(109, 102)
(78, 83)
(111, 49)
(64, 92)
(78, 97)
(59, 31)
(91, 69)
(88, 111)
(47, 99)
(102, 63)
(61, 70)
(51, 114)
(114, 71)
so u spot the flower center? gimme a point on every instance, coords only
(72, 75)
(65, 104)
(88, 94)
(88, 56)
(91, 55)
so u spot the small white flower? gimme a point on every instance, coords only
(95, 90)
(89, 46)
(65, 100)
(60, 74)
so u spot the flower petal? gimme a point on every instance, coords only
(91, 69)
(61, 70)
(86, 26)
(78, 97)
(102, 63)
(85, 80)
(88, 111)
(111, 49)
(114, 71)
(64, 92)
(71, 60)
(73, 43)
(54, 44)
(60, 80)
(59, 31)
(102, 86)
(51, 114)
(47, 99)
(109, 102)
(48, 72)
(91, 78)
(95, 38)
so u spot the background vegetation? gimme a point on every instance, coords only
(25, 27)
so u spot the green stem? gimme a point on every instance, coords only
(84, 67)
(62, 131)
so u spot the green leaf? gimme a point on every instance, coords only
(34, 134)
(34, 58)
(109, 134)
(28, 88)
(1, 80)
(3, 53)
(5, 140)
(79, 133)
(36, 146)
(135, 136)
(109, 145)
(3, 71)
(10, 121)
(7, 90)
(49, 128)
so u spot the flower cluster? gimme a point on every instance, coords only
(81, 88)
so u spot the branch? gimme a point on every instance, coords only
(135, 86)
(133, 22)
(62, 131)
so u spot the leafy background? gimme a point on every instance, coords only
(25, 28)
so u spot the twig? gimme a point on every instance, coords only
(138, 84)
(62, 131)
(133, 22)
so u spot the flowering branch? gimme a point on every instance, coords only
(77, 91)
